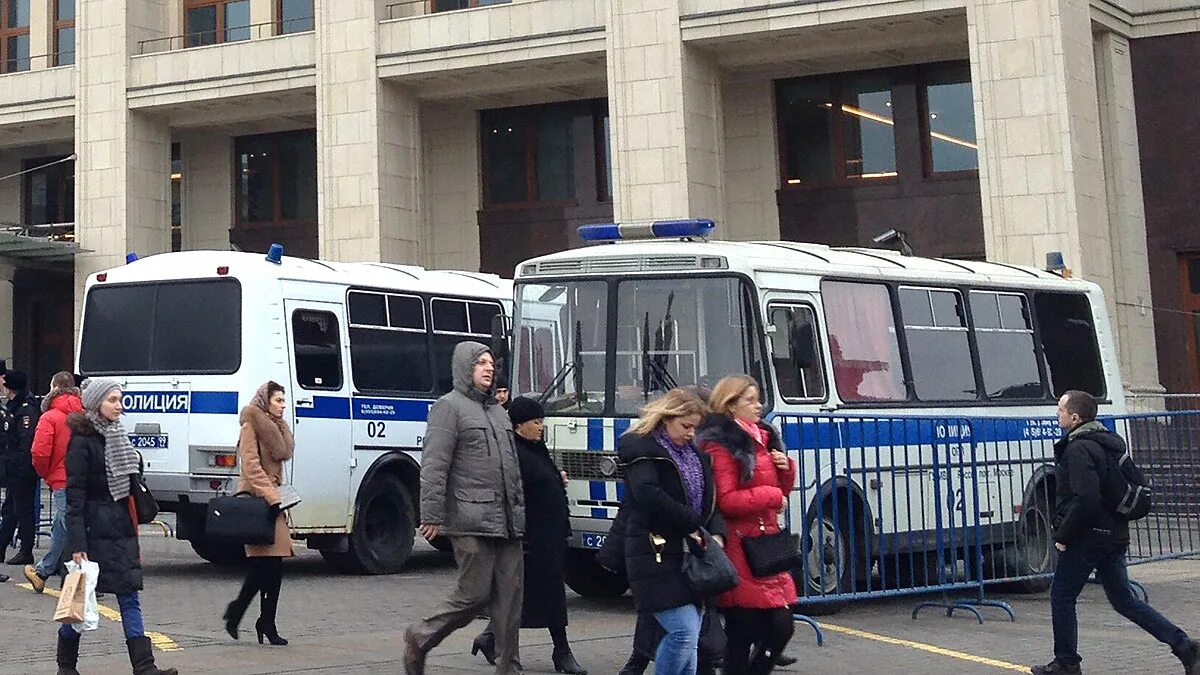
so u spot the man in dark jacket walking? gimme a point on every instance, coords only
(1090, 538)
(471, 492)
(21, 480)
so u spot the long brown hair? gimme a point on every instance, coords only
(674, 403)
(728, 391)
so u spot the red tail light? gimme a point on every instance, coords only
(227, 461)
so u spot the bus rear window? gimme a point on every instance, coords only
(1068, 336)
(863, 342)
(163, 328)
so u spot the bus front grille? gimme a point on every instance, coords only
(590, 465)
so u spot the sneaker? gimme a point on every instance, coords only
(3, 578)
(21, 558)
(1056, 668)
(1190, 657)
(35, 579)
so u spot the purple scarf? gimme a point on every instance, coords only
(688, 461)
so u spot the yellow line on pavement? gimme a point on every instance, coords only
(932, 649)
(159, 640)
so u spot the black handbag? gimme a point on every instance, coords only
(239, 519)
(143, 502)
(708, 570)
(770, 554)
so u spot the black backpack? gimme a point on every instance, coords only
(1124, 490)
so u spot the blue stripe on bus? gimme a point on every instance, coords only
(801, 433)
(620, 426)
(599, 513)
(391, 409)
(215, 402)
(595, 431)
(598, 490)
(621, 491)
(326, 408)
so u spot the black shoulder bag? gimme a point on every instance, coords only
(708, 570)
(770, 554)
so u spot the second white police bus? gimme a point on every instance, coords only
(829, 332)
(362, 348)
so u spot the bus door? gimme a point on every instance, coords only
(319, 396)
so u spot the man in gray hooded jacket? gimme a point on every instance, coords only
(471, 493)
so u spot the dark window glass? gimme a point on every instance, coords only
(607, 193)
(49, 191)
(443, 353)
(1004, 337)
(481, 315)
(65, 10)
(66, 46)
(295, 16)
(237, 21)
(807, 126)
(18, 54)
(368, 309)
(796, 353)
(298, 177)
(390, 361)
(939, 348)
(950, 104)
(176, 186)
(450, 316)
(449, 5)
(406, 311)
(18, 13)
(256, 179)
(202, 26)
(277, 177)
(172, 327)
(863, 342)
(1193, 267)
(318, 349)
(504, 156)
(868, 137)
(555, 155)
(1068, 337)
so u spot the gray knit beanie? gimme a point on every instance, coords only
(95, 389)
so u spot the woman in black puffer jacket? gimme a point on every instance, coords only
(101, 520)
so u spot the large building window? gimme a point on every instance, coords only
(276, 177)
(14, 35)
(295, 16)
(209, 22)
(529, 154)
(49, 187)
(949, 124)
(837, 129)
(450, 5)
(64, 32)
(176, 197)
(604, 163)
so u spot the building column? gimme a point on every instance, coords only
(207, 191)
(665, 104)
(7, 318)
(451, 186)
(41, 24)
(368, 138)
(123, 164)
(751, 171)
(1042, 167)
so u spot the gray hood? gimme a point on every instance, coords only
(462, 365)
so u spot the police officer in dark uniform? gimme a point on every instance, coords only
(20, 480)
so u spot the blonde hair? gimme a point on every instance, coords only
(728, 391)
(675, 403)
(62, 380)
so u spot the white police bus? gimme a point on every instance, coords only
(362, 348)
(832, 334)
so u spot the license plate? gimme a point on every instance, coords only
(148, 441)
(593, 539)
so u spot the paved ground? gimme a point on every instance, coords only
(346, 624)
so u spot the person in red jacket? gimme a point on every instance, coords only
(49, 461)
(753, 477)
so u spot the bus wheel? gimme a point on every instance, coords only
(383, 529)
(828, 567)
(586, 577)
(1031, 555)
(225, 555)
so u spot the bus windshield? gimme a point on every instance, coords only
(172, 327)
(608, 347)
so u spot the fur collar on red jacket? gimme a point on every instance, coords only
(722, 430)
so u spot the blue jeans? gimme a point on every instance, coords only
(131, 619)
(678, 650)
(1075, 565)
(58, 535)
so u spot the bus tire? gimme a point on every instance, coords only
(1032, 553)
(828, 568)
(222, 555)
(384, 529)
(588, 578)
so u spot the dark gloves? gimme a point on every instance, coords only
(274, 511)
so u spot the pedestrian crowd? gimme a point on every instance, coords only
(706, 483)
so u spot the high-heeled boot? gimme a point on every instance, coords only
(265, 626)
(564, 662)
(485, 642)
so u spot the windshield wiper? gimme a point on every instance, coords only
(656, 365)
(576, 365)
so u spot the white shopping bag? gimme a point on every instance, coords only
(91, 611)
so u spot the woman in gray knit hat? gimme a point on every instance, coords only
(102, 520)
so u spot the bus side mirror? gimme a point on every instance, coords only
(804, 345)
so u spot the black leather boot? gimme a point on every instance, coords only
(485, 642)
(564, 662)
(1189, 656)
(265, 626)
(141, 657)
(68, 655)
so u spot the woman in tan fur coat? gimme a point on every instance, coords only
(265, 444)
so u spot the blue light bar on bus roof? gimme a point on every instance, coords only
(647, 229)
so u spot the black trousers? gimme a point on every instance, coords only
(18, 514)
(264, 577)
(755, 637)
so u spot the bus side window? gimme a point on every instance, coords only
(1068, 335)
(796, 353)
(318, 349)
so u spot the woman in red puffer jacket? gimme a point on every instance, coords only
(753, 477)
